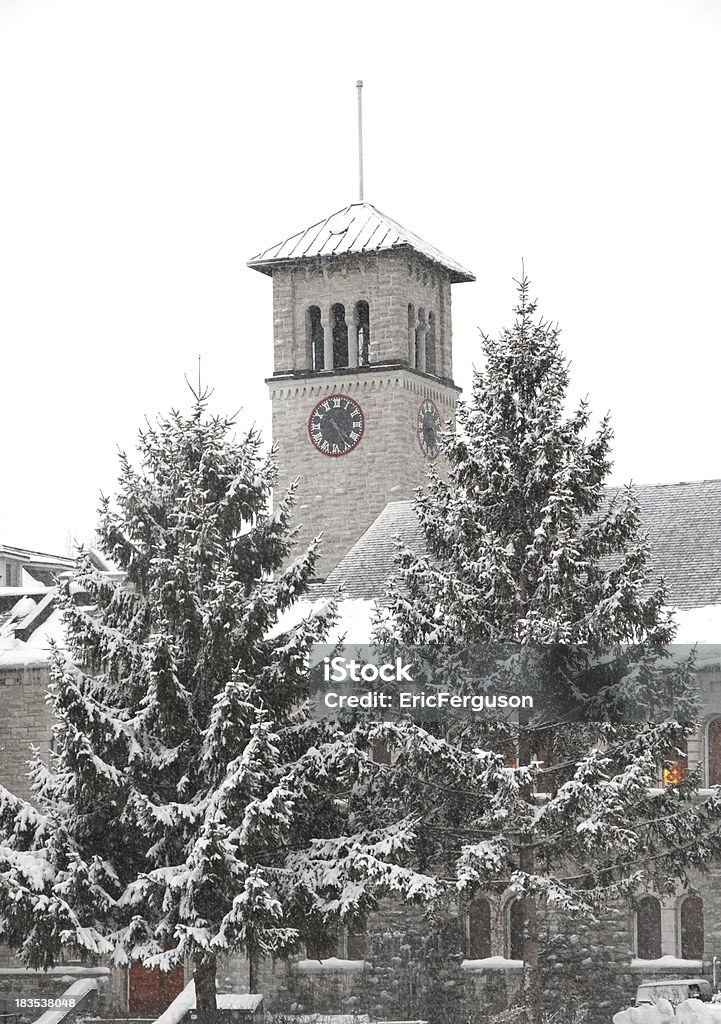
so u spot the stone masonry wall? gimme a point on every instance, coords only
(342, 496)
(25, 720)
(387, 281)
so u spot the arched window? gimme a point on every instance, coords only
(691, 928)
(340, 335)
(431, 362)
(314, 329)
(648, 928)
(713, 752)
(514, 929)
(362, 317)
(411, 336)
(478, 929)
(675, 764)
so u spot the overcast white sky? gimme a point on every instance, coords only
(151, 147)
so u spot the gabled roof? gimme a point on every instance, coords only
(683, 522)
(358, 228)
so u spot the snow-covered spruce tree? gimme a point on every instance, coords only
(186, 779)
(524, 545)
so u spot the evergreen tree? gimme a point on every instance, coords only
(190, 807)
(524, 545)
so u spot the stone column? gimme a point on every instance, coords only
(352, 322)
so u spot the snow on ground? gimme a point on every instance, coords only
(238, 1001)
(333, 1018)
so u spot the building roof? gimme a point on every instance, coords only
(358, 228)
(683, 521)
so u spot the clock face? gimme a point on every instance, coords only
(336, 425)
(429, 429)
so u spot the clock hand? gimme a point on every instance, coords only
(336, 428)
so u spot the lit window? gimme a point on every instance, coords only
(675, 765)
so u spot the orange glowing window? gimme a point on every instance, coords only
(675, 766)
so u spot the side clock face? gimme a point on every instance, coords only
(336, 425)
(429, 429)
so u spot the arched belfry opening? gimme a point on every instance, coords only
(339, 329)
(314, 335)
(363, 327)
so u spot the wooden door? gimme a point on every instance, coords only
(151, 990)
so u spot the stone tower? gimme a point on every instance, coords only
(363, 369)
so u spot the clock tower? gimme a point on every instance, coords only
(363, 370)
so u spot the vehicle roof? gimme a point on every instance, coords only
(674, 981)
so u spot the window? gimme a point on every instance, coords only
(321, 948)
(713, 752)
(340, 335)
(478, 929)
(362, 316)
(648, 928)
(411, 335)
(350, 944)
(420, 355)
(675, 764)
(355, 944)
(314, 329)
(691, 928)
(431, 363)
(381, 751)
(514, 929)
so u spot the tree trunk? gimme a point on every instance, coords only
(531, 971)
(205, 1001)
(252, 973)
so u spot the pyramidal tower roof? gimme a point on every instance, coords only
(358, 228)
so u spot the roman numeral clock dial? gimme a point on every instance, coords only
(336, 425)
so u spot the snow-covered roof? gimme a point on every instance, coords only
(683, 521)
(358, 228)
(38, 558)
